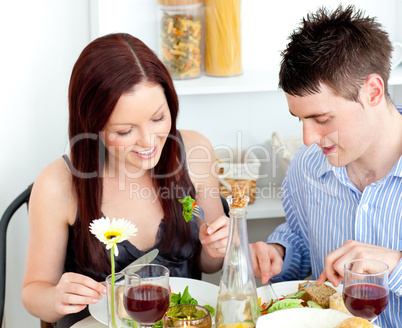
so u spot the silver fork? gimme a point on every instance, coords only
(199, 213)
(272, 289)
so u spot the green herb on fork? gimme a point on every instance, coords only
(188, 207)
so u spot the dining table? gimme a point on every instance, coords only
(207, 293)
(88, 322)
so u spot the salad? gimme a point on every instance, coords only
(188, 207)
(183, 298)
(287, 302)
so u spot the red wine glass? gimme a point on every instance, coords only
(365, 289)
(146, 293)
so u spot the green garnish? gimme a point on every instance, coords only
(312, 304)
(190, 312)
(210, 309)
(188, 206)
(285, 304)
(185, 298)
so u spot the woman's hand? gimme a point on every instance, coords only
(351, 250)
(267, 260)
(75, 291)
(215, 238)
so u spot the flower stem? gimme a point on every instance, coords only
(112, 303)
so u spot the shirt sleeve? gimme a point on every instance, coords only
(297, 264)
(395, 279)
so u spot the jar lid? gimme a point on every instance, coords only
(178, 2)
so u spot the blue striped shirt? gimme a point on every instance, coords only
(324, 209)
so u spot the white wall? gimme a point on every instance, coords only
(40, 42)
(266, 25)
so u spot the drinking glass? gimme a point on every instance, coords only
(365, 289)
(117, 315)
(146, 293)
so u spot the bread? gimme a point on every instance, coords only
(354, 322)
(336, 303)
(318, 294)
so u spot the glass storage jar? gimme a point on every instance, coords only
(222, 55)
(180, 37)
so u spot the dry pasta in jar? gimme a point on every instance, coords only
(180, 37)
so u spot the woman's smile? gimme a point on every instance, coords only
(147, 154)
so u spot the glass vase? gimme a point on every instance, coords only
(120, 318)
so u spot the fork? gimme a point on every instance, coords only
(199, 213)
(272, 289)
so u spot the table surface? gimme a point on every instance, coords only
(89, 322)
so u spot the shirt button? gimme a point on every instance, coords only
(365, 207)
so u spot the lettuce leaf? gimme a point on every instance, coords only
(187, 207)
(286, 304)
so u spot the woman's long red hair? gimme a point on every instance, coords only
(108, 67)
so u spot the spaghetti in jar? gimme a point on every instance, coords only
(222, 55)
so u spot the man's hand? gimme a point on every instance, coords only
(352, 250)
(267, 260)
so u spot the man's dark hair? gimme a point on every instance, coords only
(339, 49)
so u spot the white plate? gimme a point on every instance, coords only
(303, 318)
(283, 289)
(299, 318)
(204, 292)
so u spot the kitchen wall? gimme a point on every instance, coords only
(40, 42)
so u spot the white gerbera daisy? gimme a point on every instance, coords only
(111, 233)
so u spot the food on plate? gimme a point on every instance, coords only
(313, 297)
(289, 301)
(186, 311)
(318, 294)
(336, 303)
(188, 207)
(354, 322)
(183, 298)
(238, 199)
(186, 298)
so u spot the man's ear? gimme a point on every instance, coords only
(374, 89)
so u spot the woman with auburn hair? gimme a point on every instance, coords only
(127, 160)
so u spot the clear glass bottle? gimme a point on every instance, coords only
(237, 305)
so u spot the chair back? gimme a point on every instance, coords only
(22, 199)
